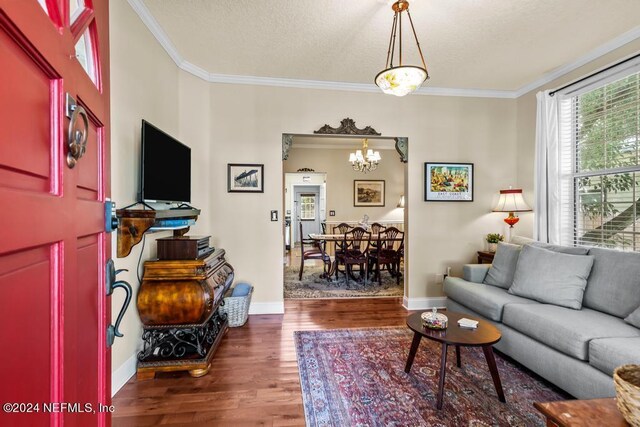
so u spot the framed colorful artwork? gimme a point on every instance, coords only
(448, 182)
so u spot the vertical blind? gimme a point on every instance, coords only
(600, 165)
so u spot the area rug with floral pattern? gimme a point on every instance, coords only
(313, 285)
(355, 377)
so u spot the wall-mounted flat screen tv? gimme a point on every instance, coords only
(166, 167)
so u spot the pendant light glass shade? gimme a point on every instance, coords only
(402, 79)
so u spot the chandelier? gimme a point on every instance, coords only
(401, 79)
(366, 162)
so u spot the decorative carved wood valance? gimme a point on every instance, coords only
(287, 142)
(402, 147)
(347, 127)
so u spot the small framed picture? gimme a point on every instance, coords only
(448, 182)
(245, 178)
(368, 192)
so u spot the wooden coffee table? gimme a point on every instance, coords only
(582, 413)
(484, 336)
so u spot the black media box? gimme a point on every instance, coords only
(183, 247)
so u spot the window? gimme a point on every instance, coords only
(43, 3)
(84, 55)
(308, 207)
(600, 164)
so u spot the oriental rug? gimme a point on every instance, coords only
(355, 377)
(314, 286)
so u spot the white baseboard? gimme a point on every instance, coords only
(120, 376)
(276, 307)
(423, 303)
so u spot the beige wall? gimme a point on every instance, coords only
(247, 123)
(340, 177)
(239, 123)
(145, 83)
(526, 125)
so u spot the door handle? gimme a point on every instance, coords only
(76, 139)
(113, 331)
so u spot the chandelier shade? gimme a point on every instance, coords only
(402, 79)
(365, 160)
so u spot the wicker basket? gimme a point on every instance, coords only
(627, 381)
(237, 309)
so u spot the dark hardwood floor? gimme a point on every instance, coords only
(254, 376)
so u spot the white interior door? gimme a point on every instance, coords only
(307, 211)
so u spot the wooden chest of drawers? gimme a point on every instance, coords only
(178, 304)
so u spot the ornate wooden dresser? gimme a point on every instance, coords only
(178, 303)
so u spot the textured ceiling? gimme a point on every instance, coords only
(481, 44)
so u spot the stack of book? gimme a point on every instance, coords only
(468, 323)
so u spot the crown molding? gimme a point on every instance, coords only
(156, 30)
(154, 27)
(143, 13)
(596, 53)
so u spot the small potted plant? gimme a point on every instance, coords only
(493, 239)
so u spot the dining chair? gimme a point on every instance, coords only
(376, 228)
(315, 251)
(386, 256)
(341, 228)
(356, 249)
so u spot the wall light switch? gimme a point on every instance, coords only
(332, 213)
(274, 215)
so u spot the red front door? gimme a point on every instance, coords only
(54, 360)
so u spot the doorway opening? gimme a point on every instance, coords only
(321, 191)
(305, 203)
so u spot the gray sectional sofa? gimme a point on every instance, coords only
(576, 348)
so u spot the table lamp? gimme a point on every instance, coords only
(511, 201)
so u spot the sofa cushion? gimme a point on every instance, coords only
(520, 240)
(572, 250)
(606, 354)
(634, 318)
(475, 272)
(503, 266)
(614, 284)
(568, 331)
(551, 277)
(487, 300)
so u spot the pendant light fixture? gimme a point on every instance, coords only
(402, 79)
(365, 160)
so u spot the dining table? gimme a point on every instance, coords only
(320, 239)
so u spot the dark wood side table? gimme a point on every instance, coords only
(485, 335)
(582, 413)
(485, 256)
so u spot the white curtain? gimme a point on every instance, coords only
(547, 171)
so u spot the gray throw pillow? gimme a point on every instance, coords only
(634, 318)
(503, 266)
(551, 277)
(573, 250)
(520, 240)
